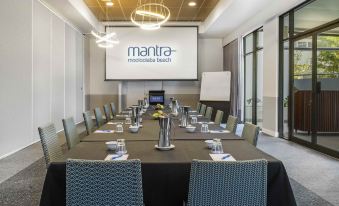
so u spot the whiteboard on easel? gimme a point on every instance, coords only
(215, 86)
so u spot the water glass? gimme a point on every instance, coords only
(128, 120)
(217, 147)
(121, 148)
(119, 128)
(194, 120)
(204, 128)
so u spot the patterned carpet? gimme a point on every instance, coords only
(24, 189)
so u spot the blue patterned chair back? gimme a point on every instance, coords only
(208, 113)
(98, 117)
(50, 145)
(218, 117)
(232, 123)
(107, 112)
(221, 183)
(114, 112)
(202, 109)
(97, 182)
(250, 133)
(70, 129)
(88, 122)
(198, 106)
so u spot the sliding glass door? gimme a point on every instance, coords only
(309, 75)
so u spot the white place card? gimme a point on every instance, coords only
(222, 157)
(112, 157)
(104, 131)
(219, 131)
(207, 122)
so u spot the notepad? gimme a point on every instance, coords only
(112, 157)
(114, 122)
(104, 131)
(219, 131)
(207, 122)
(222, 157)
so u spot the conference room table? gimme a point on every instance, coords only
(165, 174)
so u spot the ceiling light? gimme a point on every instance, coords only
(105, 40)
(192, 3)
(109, 3)
(150, 16)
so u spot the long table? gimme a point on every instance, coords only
(150, 131)
(166, 173)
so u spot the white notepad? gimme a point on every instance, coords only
(104, 131)
(219, 131)
(112, 157)
(219, 157)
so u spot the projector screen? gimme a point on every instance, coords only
(169, 53)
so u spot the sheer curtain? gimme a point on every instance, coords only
(231, 63)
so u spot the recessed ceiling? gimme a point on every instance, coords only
(180, 10)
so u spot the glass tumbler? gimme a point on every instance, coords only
(121, 148)
(119, 128)
(194, 120)
(204, 128)
(128, 120)
(217, 147)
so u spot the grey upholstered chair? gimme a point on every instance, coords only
(107, 112)
(97, 182)
(232, 123)
(114, 112)
(208, 113)
(98, 117)
(202, 109)
(88, 122)
(70, 129)
(223, 183)
(250, 133)
(198, 107)
(50, 145)
(218, 117)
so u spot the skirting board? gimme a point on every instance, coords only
(270, 132)
(29, 144)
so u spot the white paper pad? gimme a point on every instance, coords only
(193, 111)
(219, 131)
(112, 157)
(198, 115)
(104, 131)
(114, 122)
(207, 122)
(218, 157)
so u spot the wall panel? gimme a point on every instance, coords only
(41, 66)
(16, 73)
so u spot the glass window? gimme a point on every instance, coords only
(315, 14)
(260, 39)
(303, 58)
(248, 87)
(286, 28)
(249, 43)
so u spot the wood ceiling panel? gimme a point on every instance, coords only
(180, 11)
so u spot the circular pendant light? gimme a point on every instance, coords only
(150, 16)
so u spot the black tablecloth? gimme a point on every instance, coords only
(150, 131)
(166, 173)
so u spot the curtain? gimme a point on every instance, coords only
(231, 63)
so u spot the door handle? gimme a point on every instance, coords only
(318, 87)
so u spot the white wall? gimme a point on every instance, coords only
(41, 61)
(210, 58)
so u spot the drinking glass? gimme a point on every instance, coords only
(204, 127)
(128, 120)
(119, 128)
(217, 147)
(121, 148)
(194, 120)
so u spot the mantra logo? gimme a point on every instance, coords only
(151, 54)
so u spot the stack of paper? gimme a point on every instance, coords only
(112, 157)
(104, 131)
(222, 157)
